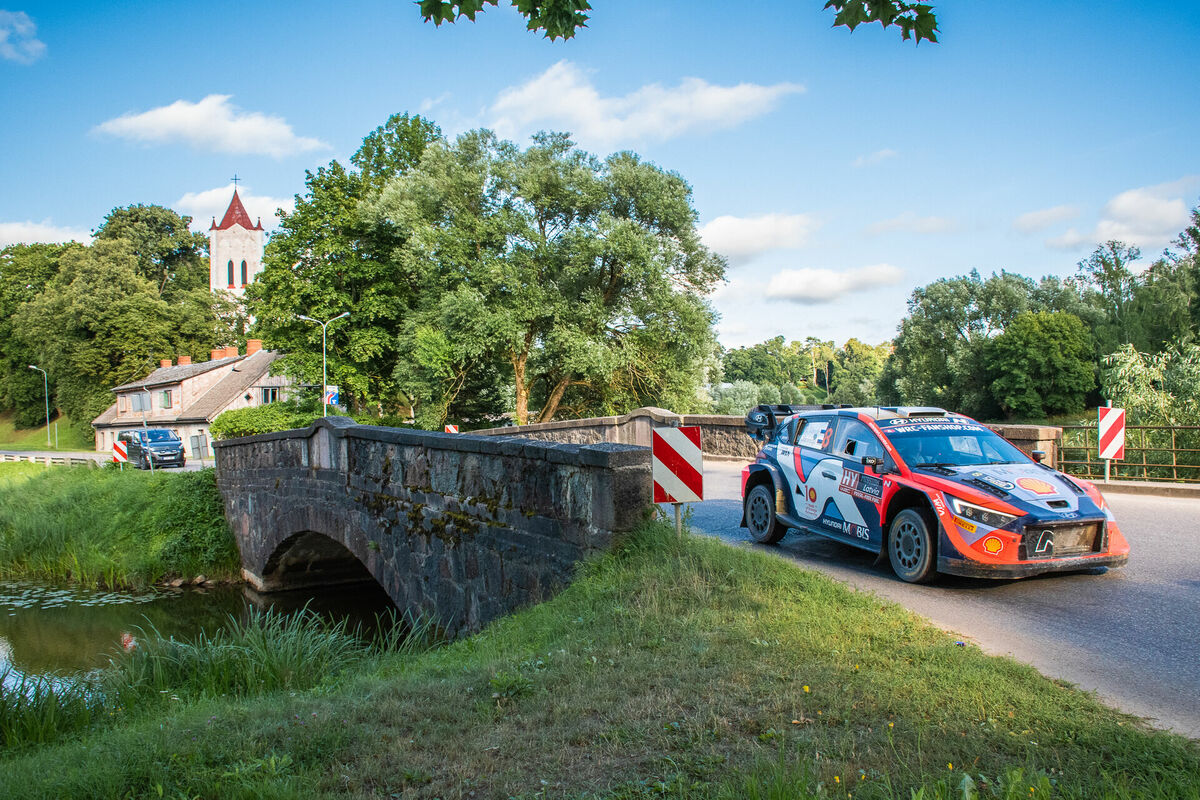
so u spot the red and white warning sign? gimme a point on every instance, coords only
(451, 428)
(1112, 433)
(677, 465)
(120, 456)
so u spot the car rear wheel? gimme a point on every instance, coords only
(911, 547)
(760, 515)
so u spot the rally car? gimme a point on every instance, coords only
(934, 490)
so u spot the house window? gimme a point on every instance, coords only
(244, 280)
(122, 404)
(231, 273)
(270, 394)
(166, 398)
(135, 402)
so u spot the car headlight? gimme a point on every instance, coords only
(984, 516)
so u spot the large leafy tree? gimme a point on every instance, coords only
(169, 254)
(583, 280)
(1043, 365)
(859, 366)
(562, 18)
(327, 258)
(25, 269)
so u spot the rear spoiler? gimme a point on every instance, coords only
(762, 420)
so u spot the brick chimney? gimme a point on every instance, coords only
(216, 355)
(231, 351)
(164, 363)
(183, 361)
(253, 346)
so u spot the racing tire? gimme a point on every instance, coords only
(760, 515)
(911, 547)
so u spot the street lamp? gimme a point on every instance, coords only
(324, 380)
(46, 387)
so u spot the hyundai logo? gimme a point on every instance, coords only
(1045, 543)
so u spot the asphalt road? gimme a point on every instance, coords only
(1132, 634)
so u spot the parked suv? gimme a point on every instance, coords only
(159, 446)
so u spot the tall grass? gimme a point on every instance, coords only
(265, 652)
(110, 527)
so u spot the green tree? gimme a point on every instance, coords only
(327, 258)
(1043, 365)
(562, 18)
(1109, 283)
(25, 269)
(168, 254)
(582, 280)
(859, 366)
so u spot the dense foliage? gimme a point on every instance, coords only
(112, 527)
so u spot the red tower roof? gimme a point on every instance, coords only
(236, 215)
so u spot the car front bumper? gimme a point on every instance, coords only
(1024, 569)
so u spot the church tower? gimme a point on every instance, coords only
(235, 249)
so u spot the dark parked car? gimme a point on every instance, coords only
(157, 446)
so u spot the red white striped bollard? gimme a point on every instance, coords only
(677, 468)
(1110, 436)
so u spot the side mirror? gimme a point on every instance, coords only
(1039, 456)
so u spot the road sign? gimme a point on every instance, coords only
(1112, 433)
(451, 428)
(331, 395)
(677, 465)
(120, 456)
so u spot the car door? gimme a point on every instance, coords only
(854, 506)
(809, 491)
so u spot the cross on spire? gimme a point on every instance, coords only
(235, 180)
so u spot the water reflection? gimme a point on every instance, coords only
(47, 630)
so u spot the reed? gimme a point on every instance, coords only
(36, 710)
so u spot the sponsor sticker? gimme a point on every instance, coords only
(864, 487)
(847, 528)
(1036, 485)
(969, 527)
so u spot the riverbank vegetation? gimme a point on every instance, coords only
(110, 527)
(677, 669)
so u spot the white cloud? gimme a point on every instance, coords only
(878, 157)
(742, 239)
(812, 286)
(18, 38)
(908, 222)
(203, 206)
(564, 98)
(1044, 218)
(44, 231)
(212, 124)
(1148, 217)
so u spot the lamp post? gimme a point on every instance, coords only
(324, 380)
(46, 387)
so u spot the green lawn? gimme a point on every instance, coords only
(667, 670)
(35, 438)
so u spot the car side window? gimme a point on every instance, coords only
(855, 440)
(783, 434)
(816, 434)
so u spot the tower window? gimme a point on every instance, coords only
(231, 273)
(244, 274)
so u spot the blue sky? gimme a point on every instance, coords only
(836, 171)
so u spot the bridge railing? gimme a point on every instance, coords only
(1152, 453)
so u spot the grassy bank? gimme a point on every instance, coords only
(111, 527)
(680, 670)
(69, 437)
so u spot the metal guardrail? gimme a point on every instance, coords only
(51, 460)
(1152, 453)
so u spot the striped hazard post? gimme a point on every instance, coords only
(451, 428)
(677, 467)
(1111, 436)
(120, 454)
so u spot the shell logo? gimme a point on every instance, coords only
(1036, 486)
(812, 495)
(993, 545)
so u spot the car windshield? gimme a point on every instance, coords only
(161, 436)
(949, 443)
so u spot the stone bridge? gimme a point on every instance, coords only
(462, 528)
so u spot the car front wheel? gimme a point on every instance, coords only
(911, 547)
(760, 515)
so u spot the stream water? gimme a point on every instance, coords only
(54, 630)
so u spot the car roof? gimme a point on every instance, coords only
(880, 413)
